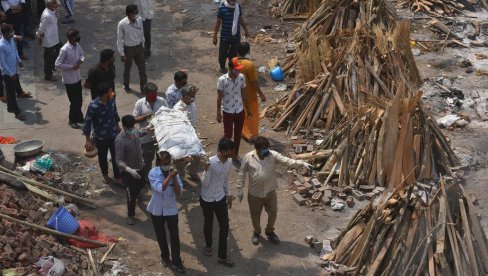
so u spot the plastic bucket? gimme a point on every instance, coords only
(63, 221)
(277, 74)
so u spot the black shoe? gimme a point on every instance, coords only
(255, 238)
(74, 125)
(127, 89)
(179, 268)
(272, 237)
(165, 263)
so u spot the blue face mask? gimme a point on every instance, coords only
(264, 152)
(131, 131)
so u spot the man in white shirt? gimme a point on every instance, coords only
(49, 38)
(144, 109)
(231, 100)
(187, 105)
(260, 166)
(130, 45)
(71, 57)
(216, 197)
(147, 14)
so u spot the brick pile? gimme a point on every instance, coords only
(21, 246)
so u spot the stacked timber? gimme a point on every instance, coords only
(357, 80)
(437, 7)
(297, 9)
(410, 233)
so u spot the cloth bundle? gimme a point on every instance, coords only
(175, 134)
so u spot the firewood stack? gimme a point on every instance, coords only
(410, 233)
(436, 7)
(356, 78)
(296, 9)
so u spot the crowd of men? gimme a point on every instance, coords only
(129, 139)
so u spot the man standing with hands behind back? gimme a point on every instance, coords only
(130, 44)
(49, 38)
(71, 57)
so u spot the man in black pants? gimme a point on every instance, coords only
(216, 197)
(102, 115)
(49, 38)
(104, 71)
(71, 57)
(15, 17)
(128, 156)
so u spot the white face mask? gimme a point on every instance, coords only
(167, 168)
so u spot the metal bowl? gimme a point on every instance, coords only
(28, 148)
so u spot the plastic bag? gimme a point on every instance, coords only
(448, 120)
(43, 163)
(50, 266)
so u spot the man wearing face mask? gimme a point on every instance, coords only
(71, 57)
(104, 71)
(187, 105)
(49, 38)
(144, 109)
(130, 44)
(103, 118)
(232, 100)
(216, 197)
(166, 186)
(129, 159)
(173, 93)
(260, 166)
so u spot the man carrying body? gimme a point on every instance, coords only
(260, 166)
(71, 57)
(104, 71)
(173, 93)
(130, 44)
(49, 38)
(144, 109)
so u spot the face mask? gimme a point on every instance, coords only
(236, 72)
(264, 152)
(192, 99)
(131, 131)
(78, 39)
(151, 97)
(166, 168)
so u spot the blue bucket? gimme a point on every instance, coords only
(63, 221)
(277, 74)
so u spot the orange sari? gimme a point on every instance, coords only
(251, 124)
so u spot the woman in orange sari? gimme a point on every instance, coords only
(251, 124)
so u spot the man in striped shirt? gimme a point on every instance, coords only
(229, 21)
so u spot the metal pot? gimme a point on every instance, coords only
(28, 148)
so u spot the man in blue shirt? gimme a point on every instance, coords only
(229, 17)
(166, 185)
(9, 58)
(102, 115)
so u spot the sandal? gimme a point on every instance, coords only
(20, 117)
(106, 180)
(207, 251)
(24, 94)
(226, 262)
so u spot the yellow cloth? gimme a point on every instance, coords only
(251, 124)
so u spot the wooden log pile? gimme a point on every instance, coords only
(438, 7)
(296, 9)
(356, 79)
(412, 233)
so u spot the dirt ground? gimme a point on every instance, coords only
(181, 40)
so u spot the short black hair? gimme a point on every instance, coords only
(72, 33)
(164, 154)
(103, 88)
(149, 87)
(6, 28)
(180, 75)
(128, 121)
(130, 9)
(243, 48)
(106, 55)
(226, 144)
(261, 143)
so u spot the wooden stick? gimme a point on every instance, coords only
(43, 186)
(92, 262)
(469, 241)
(51, 231)
(104, 257)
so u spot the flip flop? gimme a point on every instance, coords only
(226, 262)
(207, 251)
(24, 94)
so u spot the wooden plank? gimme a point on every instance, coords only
(469, 241)
(396, 174)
